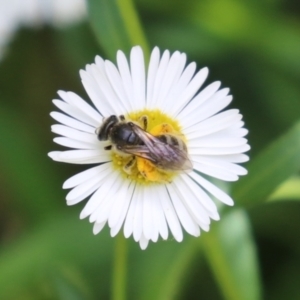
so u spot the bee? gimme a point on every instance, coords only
(165, 151)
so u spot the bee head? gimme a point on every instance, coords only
(103, 131)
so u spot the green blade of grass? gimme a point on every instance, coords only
(61, 241)
(27, 169)
(288, 190)
(117, 26)
(230, 250)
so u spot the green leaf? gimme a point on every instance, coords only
(176, 273)
(78, 46)
(63, 241)
(163, 270)
(120, 268)
(26, 167)
(231, 253)
(66, 282)
(117, 26)
(289, 190)
(246, 24)
(270, 168)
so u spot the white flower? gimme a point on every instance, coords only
(32, 13)
(53, 12)
(167, 93)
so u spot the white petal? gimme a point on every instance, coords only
(81, 104)
(212, 189)
(210, 108)
(70, 143)
(220, 165)
(163, 64)
(217, 173)
(170, 79)
(138, 77)
(183, 214)
(123, 199)
(155, 233)
(234, 158)
(98, 227)
(219, 151)
(214, 124)
(128, 225)
(151, 194)
(194, 202)
(99, 196)
(179, 86)
(98, 171)
(117, 84)
(125, 76)
(159, 217)
(76, 113)
(80, 156)
(152, 69)
(189, 92)
(198, 101)
(147, 215)
(95, 93)
(83, 190)
(234, 130)
(96, 78)
(114, 198)
(170, 214)
(61, 118)
(203, 198)
(138, 216)
(212, 140)
(75, 134)
(143, 242)
(116, 228)
(102, 212)
(105, 88)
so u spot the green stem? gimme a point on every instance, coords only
(175, 276)
(117, 26)
(120, 269)
(133, 25)
(218, 263)
(231, 253)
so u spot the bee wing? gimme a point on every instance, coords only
(146, 137)
(174, 158)
(187, 165)
(138, 150)
(164, 155)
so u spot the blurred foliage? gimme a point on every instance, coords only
(251, 46)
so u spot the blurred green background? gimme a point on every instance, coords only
(46, 252)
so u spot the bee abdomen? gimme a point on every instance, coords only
(172, 140)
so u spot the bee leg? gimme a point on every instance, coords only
(144, 120)
(108, 147)
(122, 118)
(129, 166)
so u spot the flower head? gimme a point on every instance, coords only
(155, 137)
(34, 13)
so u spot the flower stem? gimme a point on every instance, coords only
(120, 269)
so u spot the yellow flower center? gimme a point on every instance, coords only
(139, 169)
